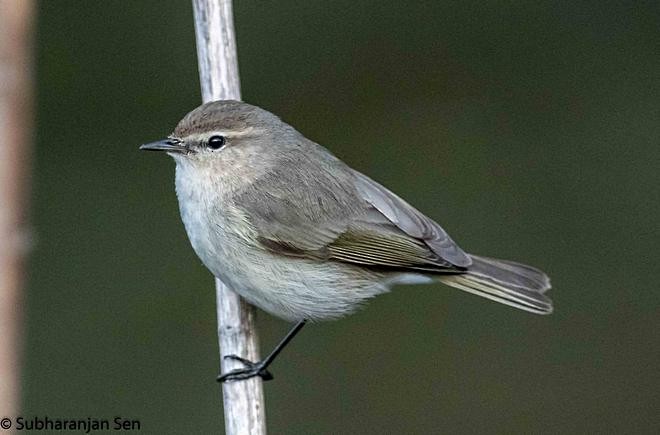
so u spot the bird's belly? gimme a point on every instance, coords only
(289, 288)
(294, 288)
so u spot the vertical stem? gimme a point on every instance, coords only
(15, 138)
(218, 73)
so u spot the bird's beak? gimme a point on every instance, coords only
(168, 145)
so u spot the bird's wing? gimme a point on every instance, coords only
(411, 221)
(350, 219)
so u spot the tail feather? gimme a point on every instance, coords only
(507, 282)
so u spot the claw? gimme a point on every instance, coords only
(247, 362)
(251, 370)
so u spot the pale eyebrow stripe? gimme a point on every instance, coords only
(226, 133)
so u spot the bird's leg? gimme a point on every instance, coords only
(259, 368)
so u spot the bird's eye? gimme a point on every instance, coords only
(216, 142)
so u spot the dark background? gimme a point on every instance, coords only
(529, 130)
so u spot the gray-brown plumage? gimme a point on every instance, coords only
(300, 234)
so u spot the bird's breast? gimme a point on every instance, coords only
(213, 225)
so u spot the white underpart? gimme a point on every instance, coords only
(409, 278)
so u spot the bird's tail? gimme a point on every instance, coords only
(506, 282)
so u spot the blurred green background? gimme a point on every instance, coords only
(529, 130)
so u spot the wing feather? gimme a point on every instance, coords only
(411, 221)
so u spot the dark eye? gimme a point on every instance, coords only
(216, 142)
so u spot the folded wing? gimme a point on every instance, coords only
(348, 218)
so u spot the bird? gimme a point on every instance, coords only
(300, 234)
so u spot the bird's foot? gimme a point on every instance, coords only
(251, 370)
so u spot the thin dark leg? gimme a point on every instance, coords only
(259, 368)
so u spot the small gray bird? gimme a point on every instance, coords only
(301, 235)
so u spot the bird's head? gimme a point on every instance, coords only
(224, 134)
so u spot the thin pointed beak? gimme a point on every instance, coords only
(168, 145)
